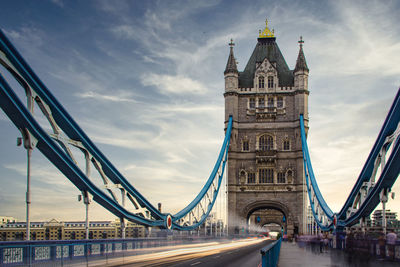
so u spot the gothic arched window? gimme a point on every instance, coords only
(279, 103)
(266, 176)
(270, 102)
(266, 142)
(245, 145)
(286, 145)
(281, 178)
(270, 82)
(289, 176)
(251, 178)
(261, 82)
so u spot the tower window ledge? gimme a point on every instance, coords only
(281, 111)
(251, 111)
(266, 113)
(267, 161)
(266, 153)
(266, 109)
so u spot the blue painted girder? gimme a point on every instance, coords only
(389, 126)
(67, 124)
(386, 180)
(22, 118)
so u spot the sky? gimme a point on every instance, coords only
(144, 80)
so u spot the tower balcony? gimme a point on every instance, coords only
(265, 113)
(267, 157)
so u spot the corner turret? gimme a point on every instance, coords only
(301, 70)
(231, 73)
(301, 83)
(231, 86)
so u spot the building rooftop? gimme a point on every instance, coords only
(266, 48)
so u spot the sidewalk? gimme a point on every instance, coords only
(293, 255)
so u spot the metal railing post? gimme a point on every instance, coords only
(270, 254)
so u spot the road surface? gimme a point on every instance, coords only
(231, 254)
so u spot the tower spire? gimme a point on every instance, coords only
(266, 33)
(231, 64)
(301, 63)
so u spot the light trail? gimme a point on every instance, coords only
(180, 253)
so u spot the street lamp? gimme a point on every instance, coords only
(87, 198)
(29, 142)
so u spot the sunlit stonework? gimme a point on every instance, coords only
(265, 166)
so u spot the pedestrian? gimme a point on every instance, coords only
(391, 238)
(321, 240)
(326, 242)
(382, 244)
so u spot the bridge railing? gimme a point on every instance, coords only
(79, 252)
(270, 254)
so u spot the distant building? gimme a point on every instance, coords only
(391, 218)
(312, 226)
(7, 219)
(73, 230)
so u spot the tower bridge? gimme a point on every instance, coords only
(265, 167)
(269, 175)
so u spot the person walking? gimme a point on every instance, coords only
(391, 238)
(382, 245)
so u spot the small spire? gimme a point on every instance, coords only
(231, 44)
(301, 42)
(301, 63)
(231, 64)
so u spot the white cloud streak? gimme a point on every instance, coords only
(171, 104)
(168, 84)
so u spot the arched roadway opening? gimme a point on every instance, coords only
(261, 213)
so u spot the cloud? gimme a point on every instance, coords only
(168, 84)
(59, 3)
(27, 37)
(113, 98)
(147, 87)
(126, 32)
(356, 37)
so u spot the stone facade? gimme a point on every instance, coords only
(265, 161)
(55, 230)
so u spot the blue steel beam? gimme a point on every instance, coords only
(386, 180)
(192, 205)
(67, 124)
(308, 166)
(22, 118)
(389, 126)
(203, 191)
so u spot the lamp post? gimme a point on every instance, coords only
(87, 198)
(384, 198)
(29, 142)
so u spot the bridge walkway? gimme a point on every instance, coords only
(294, 254)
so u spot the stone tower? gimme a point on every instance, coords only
(265, 166)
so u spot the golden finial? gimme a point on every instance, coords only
(266, 33)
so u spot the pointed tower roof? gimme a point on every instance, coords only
(266, 48)
(301, 64)
(231, 64)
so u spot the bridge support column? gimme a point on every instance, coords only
(29, 142)
(384, 198)
(362, 224)
(87, 198)
(28, 194)
(86, 195)
(122, 219)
